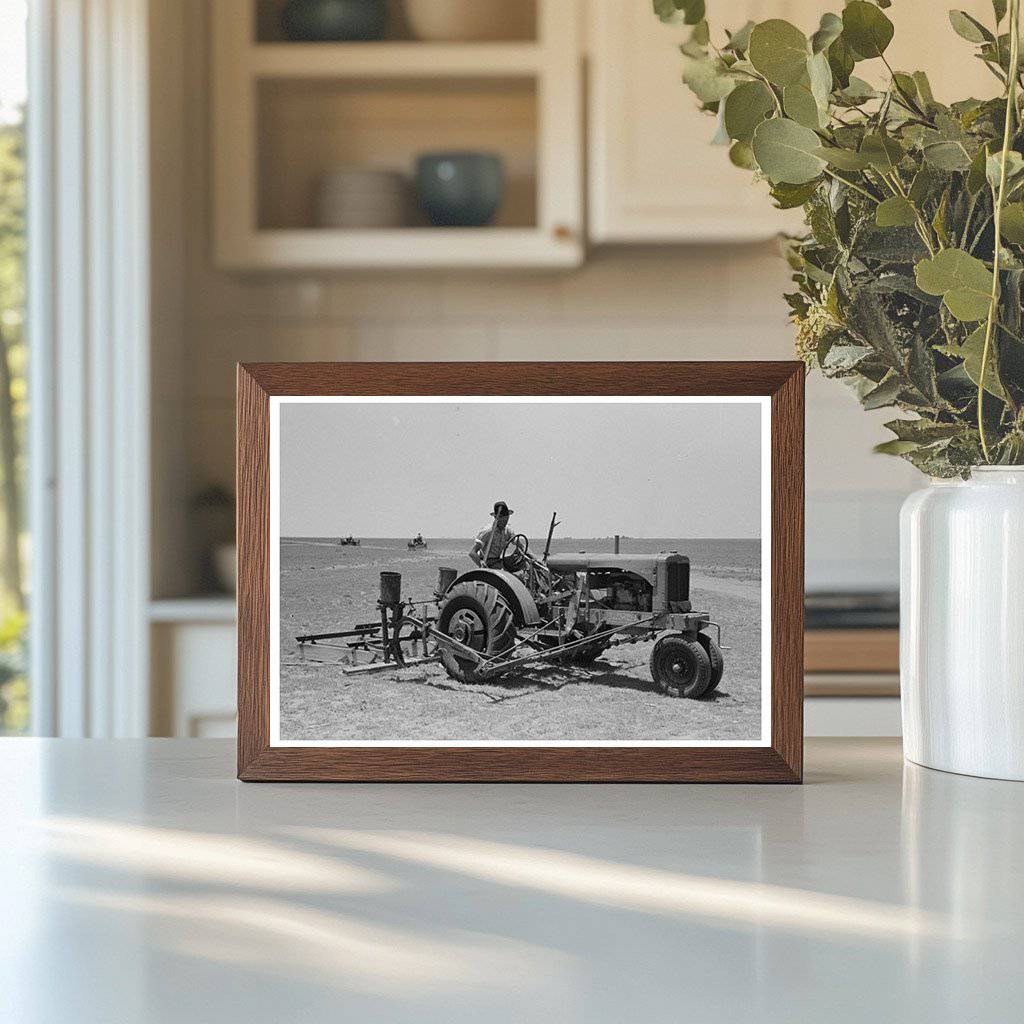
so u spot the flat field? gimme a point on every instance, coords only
(325, 587)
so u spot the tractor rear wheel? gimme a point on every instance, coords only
(716, 659)
(680, 666)
(475, 614)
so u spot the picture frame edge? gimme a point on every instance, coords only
(780, 380)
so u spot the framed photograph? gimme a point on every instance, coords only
(579, 572)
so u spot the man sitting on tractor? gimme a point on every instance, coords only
(491, 541)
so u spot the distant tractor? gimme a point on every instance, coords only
(567, 609)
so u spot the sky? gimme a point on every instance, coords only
(637, 469)
(12, 57)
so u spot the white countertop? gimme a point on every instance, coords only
(140, 882)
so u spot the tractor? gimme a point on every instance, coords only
(562, 608)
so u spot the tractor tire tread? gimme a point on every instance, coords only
(500, 622)
(678, 646)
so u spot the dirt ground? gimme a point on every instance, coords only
(325, 587)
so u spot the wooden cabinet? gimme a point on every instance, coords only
(285, 114)
(653, 177)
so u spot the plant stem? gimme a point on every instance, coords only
(853, 185)
(1011, 108)
(910, 102)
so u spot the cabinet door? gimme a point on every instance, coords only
(654, 176)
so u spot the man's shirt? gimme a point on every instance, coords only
(502, 536)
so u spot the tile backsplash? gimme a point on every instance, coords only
(708, 303)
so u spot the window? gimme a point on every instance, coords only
(14, 689)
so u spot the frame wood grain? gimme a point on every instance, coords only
(782, 761)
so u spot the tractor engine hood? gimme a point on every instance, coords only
(642, 565)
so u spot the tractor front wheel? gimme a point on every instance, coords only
(716, 659)
(475, 614)
(681, 667)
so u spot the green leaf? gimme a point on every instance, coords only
(701, 34)
(857, 91)
(895, 447)
(889, 245)
(819, 74)
(993, 167)
(895, 212)
(971, 351)
(741, 155)
(666, 10)
(883, 152)
(801, 106)
(844, 159)
(969, 28)
(745, 108)
(923, 431)
(963, 281)
(866, 29)
(787, 152)
(1012, 223)
(693, 10)
(707, 78)
(829, 30)
(922, 185)
(788, 197)
(947, 156)
(885, 394)
(924, 88)
(939, 220)
(689, 12)
(721, 136)
(739, 41)
(841, 63)
(976, 173)
(905, 84)
(779, 51)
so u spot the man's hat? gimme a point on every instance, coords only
(501, 509)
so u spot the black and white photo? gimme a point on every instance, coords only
(473, 571)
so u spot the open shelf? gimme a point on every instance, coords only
(309, 127)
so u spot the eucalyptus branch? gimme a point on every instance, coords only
(775, 98)
(853, 185)
(909, 100)
(1011, 109)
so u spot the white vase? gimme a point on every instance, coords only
(962, 624)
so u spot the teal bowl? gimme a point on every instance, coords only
(334, 21)
(460, 190)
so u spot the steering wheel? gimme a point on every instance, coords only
(513, 560)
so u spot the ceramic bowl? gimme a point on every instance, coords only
(360, 197)
(333, 21)
(470, 20)
(460, 189)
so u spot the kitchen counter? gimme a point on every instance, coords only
(140, 882)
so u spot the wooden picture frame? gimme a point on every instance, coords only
(779, 760)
